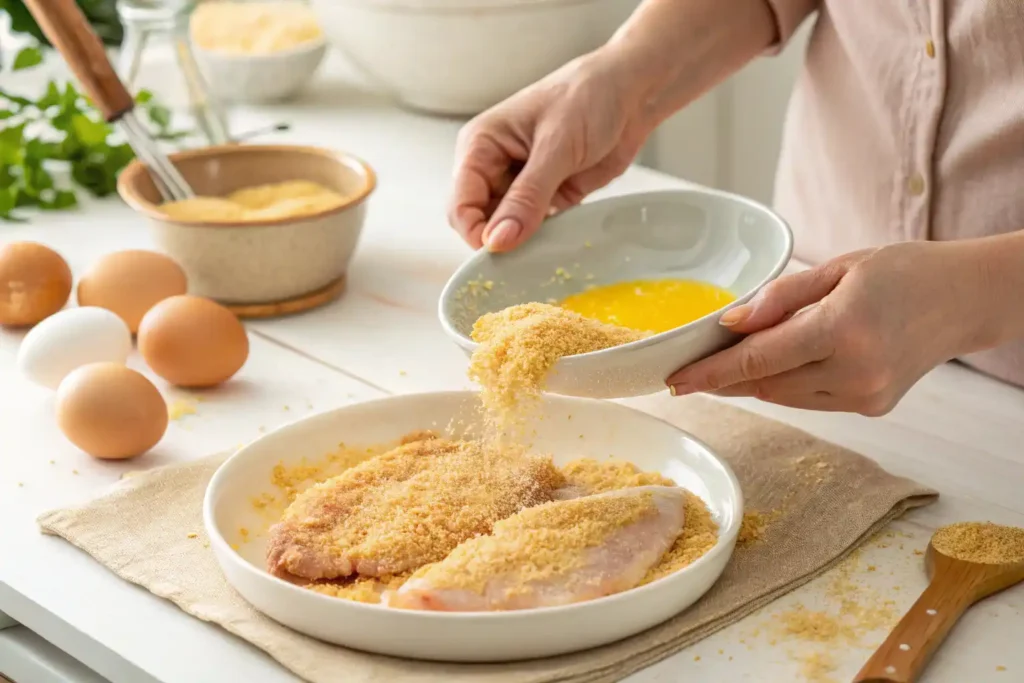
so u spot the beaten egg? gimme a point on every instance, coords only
(650, 305)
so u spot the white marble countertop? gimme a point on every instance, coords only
(957, 431)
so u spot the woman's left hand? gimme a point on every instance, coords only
(851, 335)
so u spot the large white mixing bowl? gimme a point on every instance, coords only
(459, 57)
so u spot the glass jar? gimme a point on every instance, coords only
(157, 55)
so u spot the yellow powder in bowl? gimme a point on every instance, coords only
(290, 199)
(253, 28)
(981, 542)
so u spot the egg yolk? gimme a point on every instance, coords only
(649, 305)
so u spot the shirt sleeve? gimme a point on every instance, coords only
(789, 14)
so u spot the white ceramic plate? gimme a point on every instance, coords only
(608, 429)
(697, 234)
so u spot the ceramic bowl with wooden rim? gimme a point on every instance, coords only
(256, 262)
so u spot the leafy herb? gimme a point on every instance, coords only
(63, 130)
(101, 14)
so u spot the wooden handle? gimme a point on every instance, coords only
(69, 31)
(908, 649)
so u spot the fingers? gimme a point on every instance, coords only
(784, 297)
(794, 343)
(483, 173)
(821, 400)
(528, 200)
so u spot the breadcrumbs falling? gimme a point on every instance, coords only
(981, 542)
(517, 348)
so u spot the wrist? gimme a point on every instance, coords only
(992, 275)
(670, 52)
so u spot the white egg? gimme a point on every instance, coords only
(70, 339)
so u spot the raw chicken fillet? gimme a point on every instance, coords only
(405, 508)
(562, 552)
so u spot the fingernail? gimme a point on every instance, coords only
(681, 389)
(552, 210)
(503, 235)
(735, 316)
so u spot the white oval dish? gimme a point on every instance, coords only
(698, 234)
(608, 429)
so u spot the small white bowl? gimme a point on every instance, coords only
(260, 78)
(697, 234)
(650, 443)
(257, 262)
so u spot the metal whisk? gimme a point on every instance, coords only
(69, 31)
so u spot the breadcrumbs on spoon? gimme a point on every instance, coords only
(980, 542)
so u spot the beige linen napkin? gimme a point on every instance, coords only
(827, 501)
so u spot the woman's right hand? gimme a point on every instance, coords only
(544, 149)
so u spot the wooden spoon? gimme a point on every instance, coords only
(955, 586)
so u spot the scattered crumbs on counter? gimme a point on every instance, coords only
(918, 551)
(21, 483)
(1000, 668)
(817, 667)
(581, 436)
(402, 373)
(697, 658)
(287, 408)
(193, 535)
(871, 567)
(53, 462)
(721, 652)
(74, 471)
(206, 544)
(261, 429)
(182, 407)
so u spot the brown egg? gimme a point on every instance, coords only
(129, 283)
(193, 342)
(110, 411)
(35, 283)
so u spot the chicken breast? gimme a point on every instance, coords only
(405, 508)
(558, 553)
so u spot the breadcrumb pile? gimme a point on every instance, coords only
(517, 348)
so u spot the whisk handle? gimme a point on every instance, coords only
(69, 31)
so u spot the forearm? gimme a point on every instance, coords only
(670, 52)
(994, 276)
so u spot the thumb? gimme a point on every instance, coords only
(782, 298)
(528, 199)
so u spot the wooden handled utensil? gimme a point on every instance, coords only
(955, 586)
(69, 31)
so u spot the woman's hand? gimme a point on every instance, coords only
(856, 333)
(543, 150)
